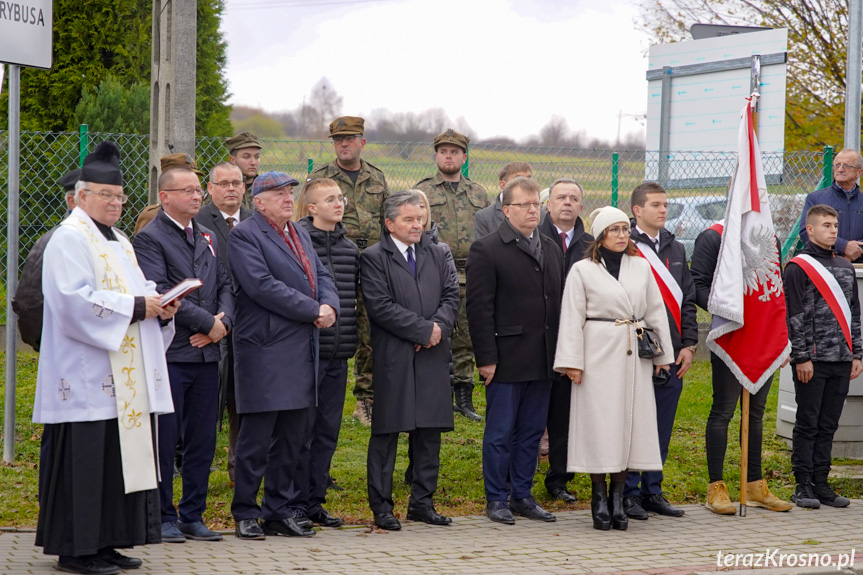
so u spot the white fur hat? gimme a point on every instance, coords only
(603, 217)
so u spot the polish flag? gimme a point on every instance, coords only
(748, 330)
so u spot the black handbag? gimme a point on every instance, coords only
(648, 343)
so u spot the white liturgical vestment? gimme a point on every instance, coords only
(84, 323)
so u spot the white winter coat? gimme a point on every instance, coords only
(612, 423)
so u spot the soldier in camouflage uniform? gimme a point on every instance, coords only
(245, 151)
(454, 200)
(365, 188)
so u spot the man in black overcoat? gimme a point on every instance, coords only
(564, 226)
(411, 294)
(225, 211)
(514, 288)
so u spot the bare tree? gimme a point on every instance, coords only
(326, 105)
(555, 132)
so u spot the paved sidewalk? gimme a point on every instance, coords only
(475, 545)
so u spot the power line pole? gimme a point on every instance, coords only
(853, 74)
(172, 83)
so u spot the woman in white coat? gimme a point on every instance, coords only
(612, 425)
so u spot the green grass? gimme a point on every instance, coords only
(460, 490)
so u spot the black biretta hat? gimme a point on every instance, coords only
(69, 180)
(102, 165)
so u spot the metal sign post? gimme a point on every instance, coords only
(26, 39)
(12, 262)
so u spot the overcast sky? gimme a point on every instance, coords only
(506, 66)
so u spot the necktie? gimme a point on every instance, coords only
(656, 244)
(563, 240)
(231, 221)
(190, 236)
(412, 263)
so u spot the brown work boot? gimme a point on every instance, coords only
(718, 500)
(363, 412)
(758, 495)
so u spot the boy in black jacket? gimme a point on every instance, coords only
(824, 327)
(649, 205)
(326, 206)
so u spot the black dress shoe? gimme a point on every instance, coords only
(659, 504)
(331, 484)
(322, 517)
(562, 494)
(88, 565)
(249, 529)
(498, 512)
(287, 527)
(113, 557)
(427, 515)
(527, 507)
(387, 521)
(303, 521)
(633, 508)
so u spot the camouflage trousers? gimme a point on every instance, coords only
(462, 348)
(363, 358)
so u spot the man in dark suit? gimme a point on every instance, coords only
(488, 219)
(564, 226)
(172, 248)
(411, 293)
(285, 295)
(225, 211)
(515, 283)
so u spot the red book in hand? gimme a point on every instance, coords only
(180, 291)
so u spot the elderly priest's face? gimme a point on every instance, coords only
(102, 202)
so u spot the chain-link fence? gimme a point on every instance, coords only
(696, 181)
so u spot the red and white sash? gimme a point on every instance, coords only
(672, 295)
(830, 290)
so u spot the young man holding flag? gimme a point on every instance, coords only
(824, 322)
(738, 280)
(667, 258)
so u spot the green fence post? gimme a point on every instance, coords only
(311, 166)
(793, 241)
(465, 169)
(83, 142)
(827, 171)
(615, 157)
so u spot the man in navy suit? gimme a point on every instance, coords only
(171, 248)
(225, 211)
(285, 296)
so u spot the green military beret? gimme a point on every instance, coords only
(172, 161)
(451, 137)
(242, 140)
(347, 126)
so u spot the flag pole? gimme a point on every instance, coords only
(755, 89)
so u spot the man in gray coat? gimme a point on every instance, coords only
(411, 294)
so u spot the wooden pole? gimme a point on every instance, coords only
(754, 90)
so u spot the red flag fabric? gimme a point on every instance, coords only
(748, 330)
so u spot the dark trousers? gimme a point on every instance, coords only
(227, 399)
(819, 407)
(667, 397)
(516, 414)
(726, 394)
(381, 462)
(309, 486)
(195, 391)
(267, 449)
(558, 434)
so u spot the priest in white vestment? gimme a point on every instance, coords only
(102, 377)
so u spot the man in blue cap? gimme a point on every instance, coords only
(285, 296)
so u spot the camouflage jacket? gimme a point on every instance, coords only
(364, 212)
(453, 213)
